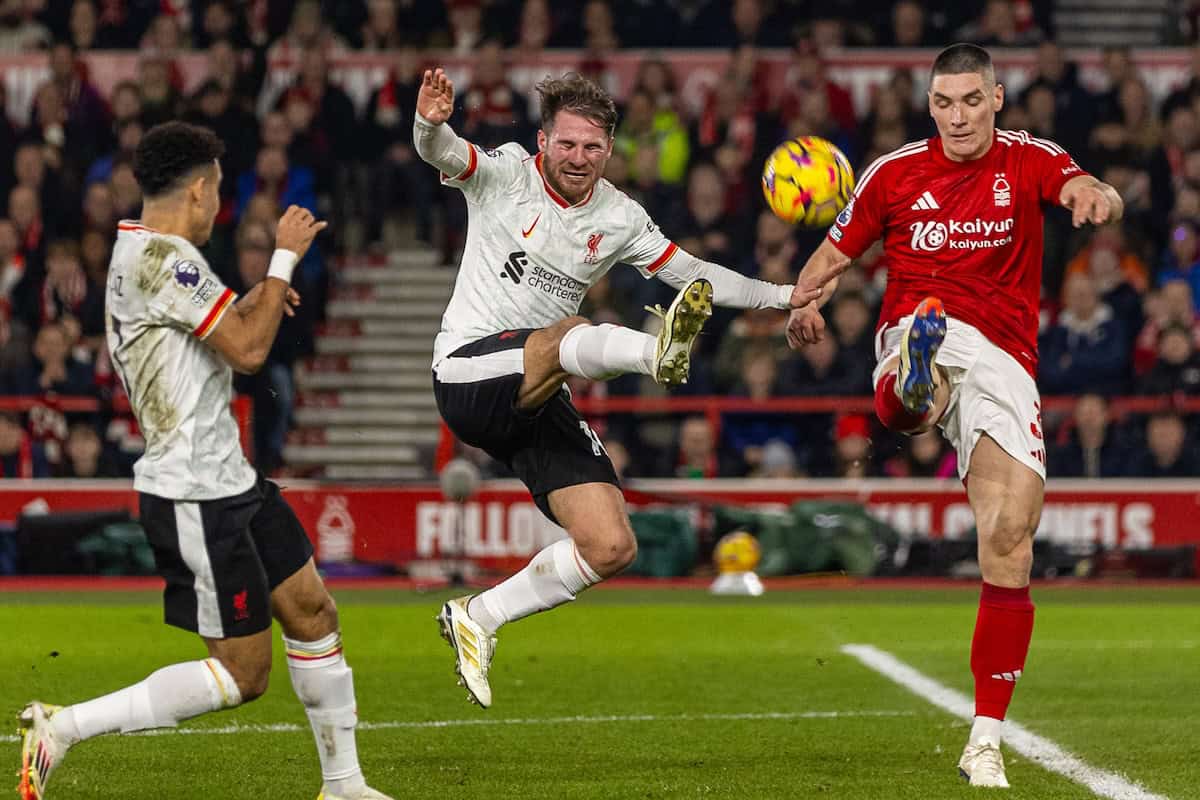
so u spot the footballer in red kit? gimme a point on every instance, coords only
(960, 216)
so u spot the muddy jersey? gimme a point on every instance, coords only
(161, 303)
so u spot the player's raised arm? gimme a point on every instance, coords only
(434, 140)
(1091, 200)
(244, 336)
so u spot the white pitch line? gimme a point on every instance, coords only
(1029, 744)
(288, 727)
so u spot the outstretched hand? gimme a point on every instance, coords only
(435, 100)
(805, 326)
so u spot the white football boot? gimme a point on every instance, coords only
(473, 649)
(681, 324)
(982, 765)
(41, 750)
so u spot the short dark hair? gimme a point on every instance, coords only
(169, 152)
(964, 57)
(575, 93)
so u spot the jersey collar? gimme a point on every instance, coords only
(134, 225)
(939, 154)
(555, 196)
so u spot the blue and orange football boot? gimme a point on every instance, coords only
(924, 335)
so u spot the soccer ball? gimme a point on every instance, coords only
(736, 552)
(807, 181)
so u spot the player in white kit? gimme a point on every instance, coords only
(231, 550)
(543, 230)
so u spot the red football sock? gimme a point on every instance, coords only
(1002, 632)
(889, 409)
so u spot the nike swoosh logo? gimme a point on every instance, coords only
(526, 233)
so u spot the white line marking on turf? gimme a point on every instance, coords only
(288, 727)
(1019, 738)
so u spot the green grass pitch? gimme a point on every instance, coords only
(660, 679)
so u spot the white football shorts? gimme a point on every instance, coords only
(990, 392)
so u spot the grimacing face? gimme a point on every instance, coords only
(964, 107)
(574, 154)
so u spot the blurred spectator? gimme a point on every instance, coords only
(24, 209)
(646, 126)
(656, 78)
(307, 31)
(126, 102)
(909, 28)
(12, 263)
(161, 101)
(126, 193)
(95, 251)
(220, 21)
(53, 368)
(64, 291)
(778, 461)
(1170, 305)
(1168, 454)
(163, 36)
(1087, 346)
(20, 456)
(491, 111)
(244, 82)
(852, 446)
(746, 434)
(84, 455)
(707, 230)
(754, 330)
(212, 107)
(398, 178)
(697, 452)
(272, 388)
(8, 140)
(1182, 260)
(775, 251)
(1073, 106)
(925, 455)
(466, 25)
(31, 170)
(807, 74)
(129, 133)
(381, 31)
(998, 26)
(324, 113)
(821, 370)
(275, 177)
(1120, 276)
(20, 31)
(99, 209)
(599, 29)
(1178, 366)
(1166, 165)
(851, 319)
(1089, 446)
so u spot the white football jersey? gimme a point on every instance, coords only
(162, 301)
(530, 256)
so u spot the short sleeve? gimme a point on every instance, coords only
(188, 295)
(648, 249)
(489, 172)
(861, 222)
(1051, 165)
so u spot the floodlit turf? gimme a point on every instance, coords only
(1114, 676)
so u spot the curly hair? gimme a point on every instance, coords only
(169, 152)
(575, 93)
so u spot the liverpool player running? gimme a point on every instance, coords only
(961, 220)
(542, 230)
(232, 552)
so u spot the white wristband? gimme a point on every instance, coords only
(283, 263)
(784, 298)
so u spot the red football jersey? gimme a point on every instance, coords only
(969, 232)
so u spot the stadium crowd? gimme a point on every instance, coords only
(1121, 305)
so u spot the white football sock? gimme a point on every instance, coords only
(554, 576)
(986, 729)
(163, 700)
(325, 685)
(600, 352)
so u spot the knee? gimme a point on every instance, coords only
(251, 673)
(559, 329)
(609, 555)
(1009, 535)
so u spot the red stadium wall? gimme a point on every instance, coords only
(397, 525)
